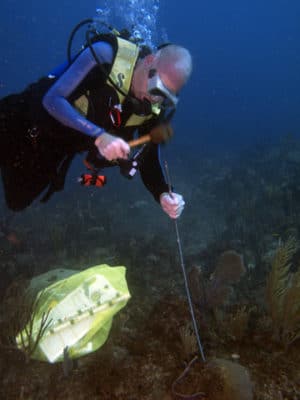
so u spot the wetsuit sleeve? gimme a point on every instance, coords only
(152, 173)
(55, 101)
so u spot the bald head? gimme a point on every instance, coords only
(174, 64)
(171, 65)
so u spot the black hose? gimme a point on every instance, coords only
(73, 33)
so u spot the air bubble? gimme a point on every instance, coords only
(139, 16)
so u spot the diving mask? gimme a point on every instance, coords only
(157, 88)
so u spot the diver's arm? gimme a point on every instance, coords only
(55, 101)
(154, 180)
(152, 173)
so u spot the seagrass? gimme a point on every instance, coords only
(283, 294)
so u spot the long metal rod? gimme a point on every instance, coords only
(187, 289)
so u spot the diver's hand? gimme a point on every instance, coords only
(172, 204)
(112, 147)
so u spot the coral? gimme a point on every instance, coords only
(216, 291)
(229, 270)
(217, 379)
(188, 340)
(283, 294)
(236, 323)
(232, 381)
(230, 267)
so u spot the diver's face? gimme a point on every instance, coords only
(149, 84)
(158, 91)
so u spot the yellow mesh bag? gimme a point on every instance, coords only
(73, 313)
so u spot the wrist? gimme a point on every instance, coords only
(98, 132)
(162, 195)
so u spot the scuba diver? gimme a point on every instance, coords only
(112, 91)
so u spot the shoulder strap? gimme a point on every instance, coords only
(123, 66)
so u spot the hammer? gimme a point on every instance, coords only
(159, 134)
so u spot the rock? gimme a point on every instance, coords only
(227, 380)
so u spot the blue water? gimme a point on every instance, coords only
(245, 84)
(243, 96)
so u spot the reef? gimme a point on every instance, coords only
(240, 236)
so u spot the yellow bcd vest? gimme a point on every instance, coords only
(121, 74)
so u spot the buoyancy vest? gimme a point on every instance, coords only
(120, 74)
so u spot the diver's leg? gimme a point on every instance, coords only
(16, 156)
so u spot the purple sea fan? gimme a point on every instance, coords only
(216, 291)
(230, 268)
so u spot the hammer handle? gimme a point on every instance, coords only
(139, 141)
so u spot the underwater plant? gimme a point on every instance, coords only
(29, 337)
(236, 323)
(18, 315)
(188, 340)
(283, 294)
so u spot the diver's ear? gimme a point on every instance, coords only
(161, 46)
(149, 59)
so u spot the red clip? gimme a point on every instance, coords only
(92, 180)
(115, 115)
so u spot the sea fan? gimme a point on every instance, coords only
(216, 291)
(283, 294)
(230, 267)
